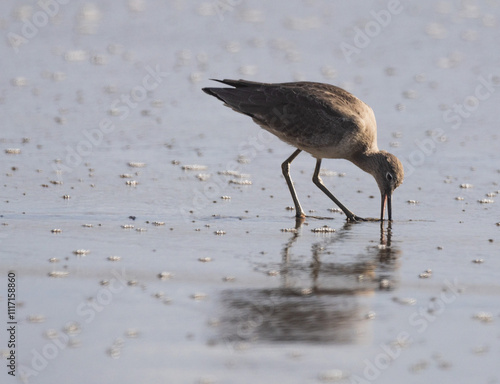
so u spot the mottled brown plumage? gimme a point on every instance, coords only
(321, 119)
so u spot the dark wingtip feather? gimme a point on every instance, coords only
(238, 83)
(212, 92)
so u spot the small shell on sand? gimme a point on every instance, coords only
(324, 229)
(58, 274)
(486, 201)
(136, 164)
(13, 151)
(194, 167)
(164, 275)
(81, 252)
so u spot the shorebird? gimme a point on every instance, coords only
(324, 120)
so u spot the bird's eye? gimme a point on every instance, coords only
(388, 176)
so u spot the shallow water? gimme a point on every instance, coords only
(247, 295)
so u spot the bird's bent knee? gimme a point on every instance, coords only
(285, 168)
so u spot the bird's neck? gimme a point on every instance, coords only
(368, 161)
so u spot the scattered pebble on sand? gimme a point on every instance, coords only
(131, 333)
(133, 164)
(51, 334)
(72, 328)
(336, 210)
(405, 300)
(164, 275)
(194, 167)
(324, 229)
(35, 318)
(240, 182)
(203, 176)
(484, 317)
(332, 375)
(370, 315)
(199, 296)
(426, 274)
(486, 201)
(385, 284)
(81, 252)
(13, 151)
(58, 274)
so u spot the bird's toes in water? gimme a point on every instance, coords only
(355, 219)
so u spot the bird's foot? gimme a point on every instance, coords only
(300, 215)
(354, 219)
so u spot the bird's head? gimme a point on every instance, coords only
(389, 175)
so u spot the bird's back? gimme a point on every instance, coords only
(321, 119)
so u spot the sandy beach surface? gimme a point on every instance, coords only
(145, 229)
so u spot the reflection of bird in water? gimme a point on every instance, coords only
(363, 273)
(323, 120)
(319, 301)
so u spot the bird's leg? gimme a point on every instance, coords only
(285, 167)
(319, 183)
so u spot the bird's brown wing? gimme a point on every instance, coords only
(302, 114)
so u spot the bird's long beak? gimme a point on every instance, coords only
(386, 197)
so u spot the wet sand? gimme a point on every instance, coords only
(148, 227)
